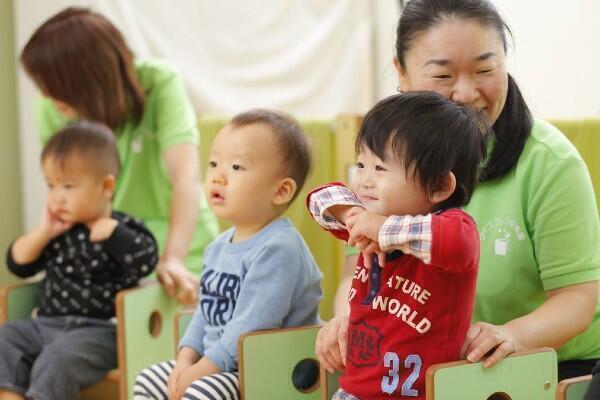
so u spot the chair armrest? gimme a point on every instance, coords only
(144, 331)
(573, 388)
(17, 301)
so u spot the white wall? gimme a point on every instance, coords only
(557, 55)
(556, 62)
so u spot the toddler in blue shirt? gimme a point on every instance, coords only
(257, 275)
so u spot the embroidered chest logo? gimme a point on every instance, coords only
(363, 344)
(502, 231)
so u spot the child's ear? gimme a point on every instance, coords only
(448, 187)
(285, 191)
(109, 185)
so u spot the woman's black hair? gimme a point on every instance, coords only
(513, 126)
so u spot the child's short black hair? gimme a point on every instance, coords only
(432, 136)
(296, 154)
(92, 142)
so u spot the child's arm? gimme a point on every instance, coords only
(24, 253)
(129, 242)
(266, 298)
(330, 205)
(448, 240)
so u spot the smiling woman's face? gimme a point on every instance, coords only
(461, 60)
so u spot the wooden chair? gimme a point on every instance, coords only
(573, 389)
(529, 375)
(144, 331)
(279, 364)
(273, 364)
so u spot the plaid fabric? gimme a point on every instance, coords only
(409, 234)
(335, 195)
(341, 395)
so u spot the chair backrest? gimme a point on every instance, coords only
(279, 364)
(182, 321)
(325, 248)
(585, 135)
(18, 301)
(573, 389)
(521, 376)
(144, 332)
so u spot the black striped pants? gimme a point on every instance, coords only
(151, 383)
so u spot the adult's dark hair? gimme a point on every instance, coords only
(91, 142)
(513, 126)
(296, 153)
(431, 136)
(80, 58)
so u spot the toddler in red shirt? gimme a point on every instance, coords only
(412, 294)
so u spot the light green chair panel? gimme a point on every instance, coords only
(522, 376)
(269, 361)
(585, 135)
(146, 331)
(17, 301)
(326, 249)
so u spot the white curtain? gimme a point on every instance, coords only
(308, 57)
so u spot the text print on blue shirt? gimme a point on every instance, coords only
(219, 293)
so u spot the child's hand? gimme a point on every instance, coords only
(202, 368)
(342, 213)
(364, 234)
(172, 382)
(365, 225)
(51, 225)
(102, 229)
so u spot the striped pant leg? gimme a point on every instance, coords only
(223, 386)
(151, 383)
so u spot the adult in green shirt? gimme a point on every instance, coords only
(85, 70)
(534, 205)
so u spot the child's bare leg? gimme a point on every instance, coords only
(6, 395)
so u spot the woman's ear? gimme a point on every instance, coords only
(403, 85)
(285, 191)
(109, 185)
(448, 187)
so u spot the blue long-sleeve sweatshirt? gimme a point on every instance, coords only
(268, 281)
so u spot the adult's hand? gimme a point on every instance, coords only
(178, 281)
(483, 338)
(331, 343)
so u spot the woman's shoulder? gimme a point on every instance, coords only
(548, 140)
(153, 72)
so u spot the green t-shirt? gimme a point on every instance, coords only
(539, 231)
(144, 188)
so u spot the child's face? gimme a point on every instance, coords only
(385, 188)
(243, 174)
(75, 194)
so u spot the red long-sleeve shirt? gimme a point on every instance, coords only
(421, 313)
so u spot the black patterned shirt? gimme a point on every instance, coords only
(83, 277)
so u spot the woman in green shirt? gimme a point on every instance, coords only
(534, 205)
(84, 69)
